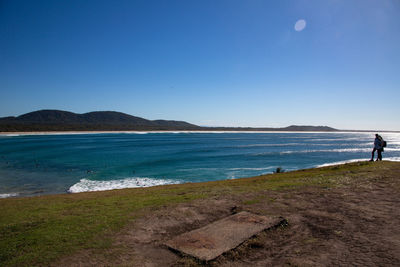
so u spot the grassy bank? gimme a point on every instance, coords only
(39, 230)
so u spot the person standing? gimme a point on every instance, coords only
(378, 146)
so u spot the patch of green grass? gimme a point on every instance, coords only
(34, 231)
(251, 201)
(38, 230)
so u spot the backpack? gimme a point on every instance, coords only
(383, 142)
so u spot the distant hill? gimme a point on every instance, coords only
(58, 120)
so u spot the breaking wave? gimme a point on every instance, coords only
(86, 185)
(8, 135)
(340, 162)
(272, 145)
(355, 150)
(354, 160)
(8, 195)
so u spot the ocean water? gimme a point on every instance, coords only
(59, 163)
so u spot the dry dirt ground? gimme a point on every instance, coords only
(356, 224)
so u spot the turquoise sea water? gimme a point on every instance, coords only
(59, 163)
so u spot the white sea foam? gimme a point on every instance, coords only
(86, 185)
(392, 159)
(8, 135)
(339, 139)
(392, 149)
(340, 162)
(355, 160)
(392, 142)
(8, 195)
(354, 150)
(348, 150)
(326, 150)
(269, 145)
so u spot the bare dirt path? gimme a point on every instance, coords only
(355, 224)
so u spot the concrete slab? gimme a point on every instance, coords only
(212, 240)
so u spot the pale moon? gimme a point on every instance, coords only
(300, 25)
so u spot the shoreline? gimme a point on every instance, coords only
(177, 132)
(166, 182)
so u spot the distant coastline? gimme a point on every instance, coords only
(65, 122)
(177, 132)
(46, 121)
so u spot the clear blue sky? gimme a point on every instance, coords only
(208, 62)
